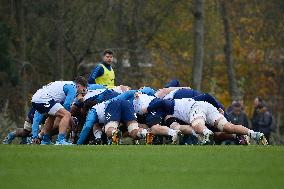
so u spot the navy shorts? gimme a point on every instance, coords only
(120, 110)
(43, 107)
(153, 118)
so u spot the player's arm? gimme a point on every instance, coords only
(70, 92)
(95, 86)
(97, 72)
(128, 95)
(210, 99)
(90, 121)
(36, 122)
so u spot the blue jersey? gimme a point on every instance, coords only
(97, 72)
(116, 110)
(196, 95)
(59, 91)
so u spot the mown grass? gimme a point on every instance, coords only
(139, 166)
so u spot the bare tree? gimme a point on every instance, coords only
(72, 38)
(233, 88)
(198, 13)
(59, 67)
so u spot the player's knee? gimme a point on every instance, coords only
(67, 114)
(221, 124)
(110, 126)
(198, 122)
(28, 126)
(132, 126)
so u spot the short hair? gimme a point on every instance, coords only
(108, 51)
(81, 80)
(237, 104)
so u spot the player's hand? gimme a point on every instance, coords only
(144, 110)
(221, 111)
(80, 98)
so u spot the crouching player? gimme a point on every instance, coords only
(197, 113)
(48, 99)
(112, 113)
(25, 132)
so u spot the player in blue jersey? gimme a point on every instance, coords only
(95, 94)
(180, 92)
(103, 73)
(48, 100)
(24, 132)
(112, 113)
(98, 96)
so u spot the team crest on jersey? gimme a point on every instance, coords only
(108, 116)
(47, 105)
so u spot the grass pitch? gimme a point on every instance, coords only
(145, 167)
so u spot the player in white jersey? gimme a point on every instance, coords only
(195, 113)
(48, 100)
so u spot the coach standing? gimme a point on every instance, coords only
(103, 73)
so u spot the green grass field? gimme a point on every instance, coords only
(39, 167)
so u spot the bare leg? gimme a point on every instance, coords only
(198, 125)
(65, 119)
(48, 125)
(235, 129)
(21, 132)
(159, 130)
(110, 127)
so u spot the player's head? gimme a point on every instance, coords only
(108, 56)
(141, 102)
(173, 83)
(81, 84)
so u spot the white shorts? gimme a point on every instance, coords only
(205, 110)
(28, 126)
(55, 108)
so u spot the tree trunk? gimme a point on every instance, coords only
(132, 45)
(60, 39)
(198, 13)
(59, 67)
(21, 48)
(233, 89)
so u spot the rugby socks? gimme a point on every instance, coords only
(252, 134)
(113, 131)
(97, 134)
(11, 136)
(60, 137)
(142, 133)
(172, 132)
(45, 138)
(206, 132)
(194, 133)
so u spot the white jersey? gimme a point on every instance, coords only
(92, 93)
(171, 94)
(100, 109)
(53, 90)
(142, 102)
(182, 109)
(207, 111)
(187, 110)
